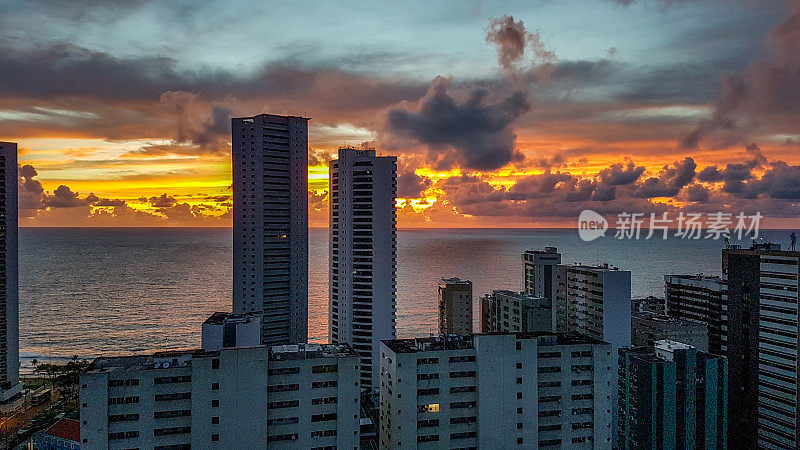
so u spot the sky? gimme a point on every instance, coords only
(501, 114)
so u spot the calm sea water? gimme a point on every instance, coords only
(107, 291)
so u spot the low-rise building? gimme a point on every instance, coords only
(228, 330)
(62, 435)
(506, 311)
(507, 390)
(647, 328)
(291, 396)
(650, 303)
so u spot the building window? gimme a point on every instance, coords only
(215, 363)
(214, 386)
(214, 403)
(214, 438)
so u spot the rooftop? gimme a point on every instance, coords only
(305, 351)
(68, 429)
(697, 277)
(546, 251)
(457, 281)
(662, 318)
(219, 318)
(436, 343)
(183, 358)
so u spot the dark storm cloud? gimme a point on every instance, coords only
(471, 133)
(620, 174)
(767, 89)
(63, 69)
(411, 185)
(30, 191)
(670, 180)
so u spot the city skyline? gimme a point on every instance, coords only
(660, 106)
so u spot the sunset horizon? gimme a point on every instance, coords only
(512, 118)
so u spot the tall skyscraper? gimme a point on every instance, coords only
(762, 345)
(596, 301)
(363, 247)
(672, 396)
(455, 306)
(540, 275)
(697, 298)
(270, 224)
(10, 387)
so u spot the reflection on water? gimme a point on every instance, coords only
(106, 291)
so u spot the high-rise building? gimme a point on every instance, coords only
(672, 396)
(270, 224)
(540, 275)
(293, 396)
(363, 247)
(697, 298)
(455, 306)
(10, 387)
(506, 311)
(596, 301)
(513, 390)
(647, 328)
(762, 345)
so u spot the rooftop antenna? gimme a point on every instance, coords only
(793, 236)
(727, 242)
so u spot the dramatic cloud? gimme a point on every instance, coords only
(620, 174)
(670, 180)
(767, 91)
(470, 134)
(411, 185)
(512, 39)
(162, 201)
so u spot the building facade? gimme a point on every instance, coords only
(672, 397)
(10, 387)
(293, 396)
(762, 345)
(227, 330)
(455, 306)
(647, 328)
(698, 298)
(270, 224)
(540, 275)
(363, 255)
(513, 390)
(649, 304)
(505, 311)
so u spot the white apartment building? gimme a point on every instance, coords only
(513, 390)
(506, 311)
(270, 224)
(540, 275)
(10, 387)
(455, 306)
(595, 301)
(292, 396)
(363, 248)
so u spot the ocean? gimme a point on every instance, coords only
(111, 291)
